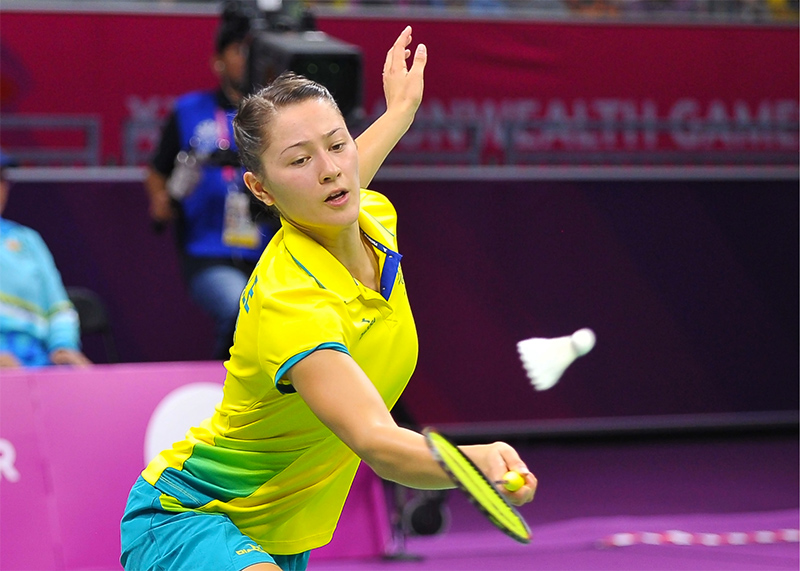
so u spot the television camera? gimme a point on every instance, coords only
(282, 36)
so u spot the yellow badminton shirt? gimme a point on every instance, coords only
(264, 459)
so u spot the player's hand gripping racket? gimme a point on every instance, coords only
(480, 491)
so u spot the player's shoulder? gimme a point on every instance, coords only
(280, 276)
(282, 291)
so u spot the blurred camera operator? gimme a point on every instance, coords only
(195, 180)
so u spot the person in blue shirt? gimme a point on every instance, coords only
(195, 181)
(38, 324)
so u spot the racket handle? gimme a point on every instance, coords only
(512, 481)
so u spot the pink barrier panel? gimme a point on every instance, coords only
(72, 442)
(26, 534)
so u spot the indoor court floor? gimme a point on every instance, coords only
(592, 491)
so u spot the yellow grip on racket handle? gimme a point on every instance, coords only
(513, 481)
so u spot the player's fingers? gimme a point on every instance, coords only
(420, 59)
(511, 459)
(397, 54)
(512, 462)
(390, 63)
(525, 493)
(529, 489)
(387, 63)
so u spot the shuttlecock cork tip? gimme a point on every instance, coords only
(583, 341)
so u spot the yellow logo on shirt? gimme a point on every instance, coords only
(250, 547)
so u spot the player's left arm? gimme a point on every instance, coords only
(402, 87)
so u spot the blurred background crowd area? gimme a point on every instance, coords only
(669, 10)
(636, 177)
(514, 82)
(679, 9)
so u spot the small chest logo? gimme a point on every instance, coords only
(369, 322)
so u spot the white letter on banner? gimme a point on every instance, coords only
(786, 111)
(717, 124)
(684, 124)
(437, 115)
(463, 115)
(583, 135)
(757, 130)
(556, 124)
(650, 127)
(629, 124)
(608, 109)
(489, 117)
(8, 455)
(744, 127)
(518, 112)
(144, 109)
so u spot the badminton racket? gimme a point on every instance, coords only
(477, 487)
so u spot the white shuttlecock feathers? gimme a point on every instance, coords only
(545, 360)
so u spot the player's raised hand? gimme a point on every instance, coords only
(403, 90)
(403, 86)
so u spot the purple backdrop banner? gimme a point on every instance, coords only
(691, 288)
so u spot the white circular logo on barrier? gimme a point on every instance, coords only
(181, 409)
(8, 455)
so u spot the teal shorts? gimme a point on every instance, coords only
(156, 539)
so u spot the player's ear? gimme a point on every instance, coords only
(258, 189)
(217, 64)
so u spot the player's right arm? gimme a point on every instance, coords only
(341, 395)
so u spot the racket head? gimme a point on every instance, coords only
(477, 487)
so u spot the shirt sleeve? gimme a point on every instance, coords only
(63, 325)
(311, 319)
(168, 147)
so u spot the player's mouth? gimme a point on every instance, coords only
(337, 198)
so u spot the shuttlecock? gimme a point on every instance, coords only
(545, 360)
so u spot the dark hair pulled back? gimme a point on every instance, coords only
(258, 110)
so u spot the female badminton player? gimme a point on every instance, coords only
(325, 344)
